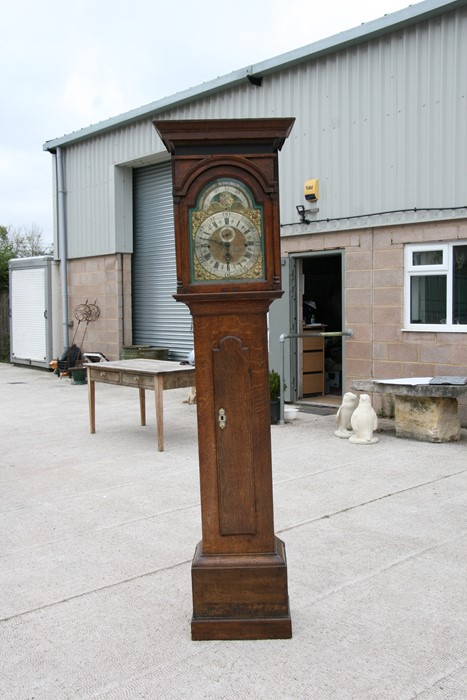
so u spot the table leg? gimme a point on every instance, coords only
(158, 392)
(92, 403)
(142, 406)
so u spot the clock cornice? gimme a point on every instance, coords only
(223, 135)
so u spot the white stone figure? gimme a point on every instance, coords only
(364, 421)
(192, 395)
(344, 414)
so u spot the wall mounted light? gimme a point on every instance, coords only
(301, 212)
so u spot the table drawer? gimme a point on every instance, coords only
(138, 380)
(106, 376)
(178, 380)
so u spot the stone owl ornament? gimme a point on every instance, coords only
(364, 421)
(344, 414)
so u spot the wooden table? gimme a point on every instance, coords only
(154, 375)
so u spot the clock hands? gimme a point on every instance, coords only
(227, 256)
(226, 236)
(223, 244)
(227, 246)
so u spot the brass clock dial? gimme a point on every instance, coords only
(226, 234)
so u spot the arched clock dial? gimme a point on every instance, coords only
(227, 235)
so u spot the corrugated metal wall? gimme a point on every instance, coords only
(92, 185)
(158, 320)
(381, 124)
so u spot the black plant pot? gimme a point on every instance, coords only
(79, 375)
(275, 407)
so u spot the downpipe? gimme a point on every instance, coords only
(62, 244)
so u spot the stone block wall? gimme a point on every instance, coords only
(374, 306)
(106, 281)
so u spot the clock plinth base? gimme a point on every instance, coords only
(240, 596)
(239, 629)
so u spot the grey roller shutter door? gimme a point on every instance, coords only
(158, 320)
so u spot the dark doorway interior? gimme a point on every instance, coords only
(322, 304)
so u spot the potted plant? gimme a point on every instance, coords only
(274, 395)
(78, 373)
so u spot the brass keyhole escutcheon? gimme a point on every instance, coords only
(221, 418)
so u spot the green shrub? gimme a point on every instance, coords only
(275, 385)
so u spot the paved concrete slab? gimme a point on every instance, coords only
(98, 532)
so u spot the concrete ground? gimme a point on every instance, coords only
(98, 533)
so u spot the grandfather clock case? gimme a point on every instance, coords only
(227, 238)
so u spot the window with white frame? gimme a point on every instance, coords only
(436, 287)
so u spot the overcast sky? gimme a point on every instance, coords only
(66, 65)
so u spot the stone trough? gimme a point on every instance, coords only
(422, 411)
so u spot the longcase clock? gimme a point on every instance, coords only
(225, 188)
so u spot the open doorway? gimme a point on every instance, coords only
(320, 308)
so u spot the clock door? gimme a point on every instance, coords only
(232, 392)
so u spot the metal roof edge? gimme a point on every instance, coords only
(383, 25)
(388, 23)
(151, 109)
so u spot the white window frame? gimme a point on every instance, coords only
(444, 268)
